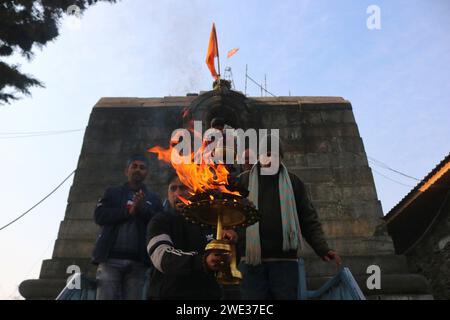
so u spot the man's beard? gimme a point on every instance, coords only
(137, 177)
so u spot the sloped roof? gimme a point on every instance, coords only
(432, 178)
(411, 219)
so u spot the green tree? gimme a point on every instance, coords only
(25, 25)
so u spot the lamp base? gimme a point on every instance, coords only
(229, 274)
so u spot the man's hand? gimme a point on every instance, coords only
(230, 235)
(215, 261)
(332, 255)
(138, 201)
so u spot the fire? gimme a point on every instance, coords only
(199, 178)
(184, 200)
(163, 154)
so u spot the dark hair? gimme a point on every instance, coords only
(172, 174)
(217, 122)
(138, 157)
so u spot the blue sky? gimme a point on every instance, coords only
(396, 78)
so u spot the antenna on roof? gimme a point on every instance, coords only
(262, 86)
(265, 85)
(228, 75)
(246, 75)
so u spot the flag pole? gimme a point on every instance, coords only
(218, 60)
(246, 72)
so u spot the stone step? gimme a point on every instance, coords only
(354, 246)
(86, 229)
(345, 227)
(391, 284)
(389, 264)
(75, 249)
(41, 289)
(81, 210)
(57, 268)
(358, 246)
(349, 209)
(315, 267)
(401, 297)
(74, 229)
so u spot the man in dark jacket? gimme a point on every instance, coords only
(120, 251)
(270, 248)
(176, 248)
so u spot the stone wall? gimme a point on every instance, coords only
(431, 256)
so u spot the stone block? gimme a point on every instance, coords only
(105, 146)
(330, 130)
(348, 227)
(86, 192)
(321, 145)
(104, 176)
(73, 229)
(41, 289)
(290, 134)
(347, 159)
(361, 192)
(352, 176)
(351, 209)
(326, 106)
(57, 268)
(311, 117)
(318, 160)
(358, 246)
(80, 210)
(404, 285)
(65, 248)
(389, 264)
(313, 175)
(350, 144)
(338, 116)
(322, 191)
(295, 160)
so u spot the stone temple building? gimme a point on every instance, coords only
(322, 145)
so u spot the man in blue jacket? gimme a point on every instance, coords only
(120, 250)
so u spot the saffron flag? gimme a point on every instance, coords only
(212, 52)
(232, 52)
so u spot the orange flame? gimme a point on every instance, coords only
(163, 154)
(197, 177)
(184, 200)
